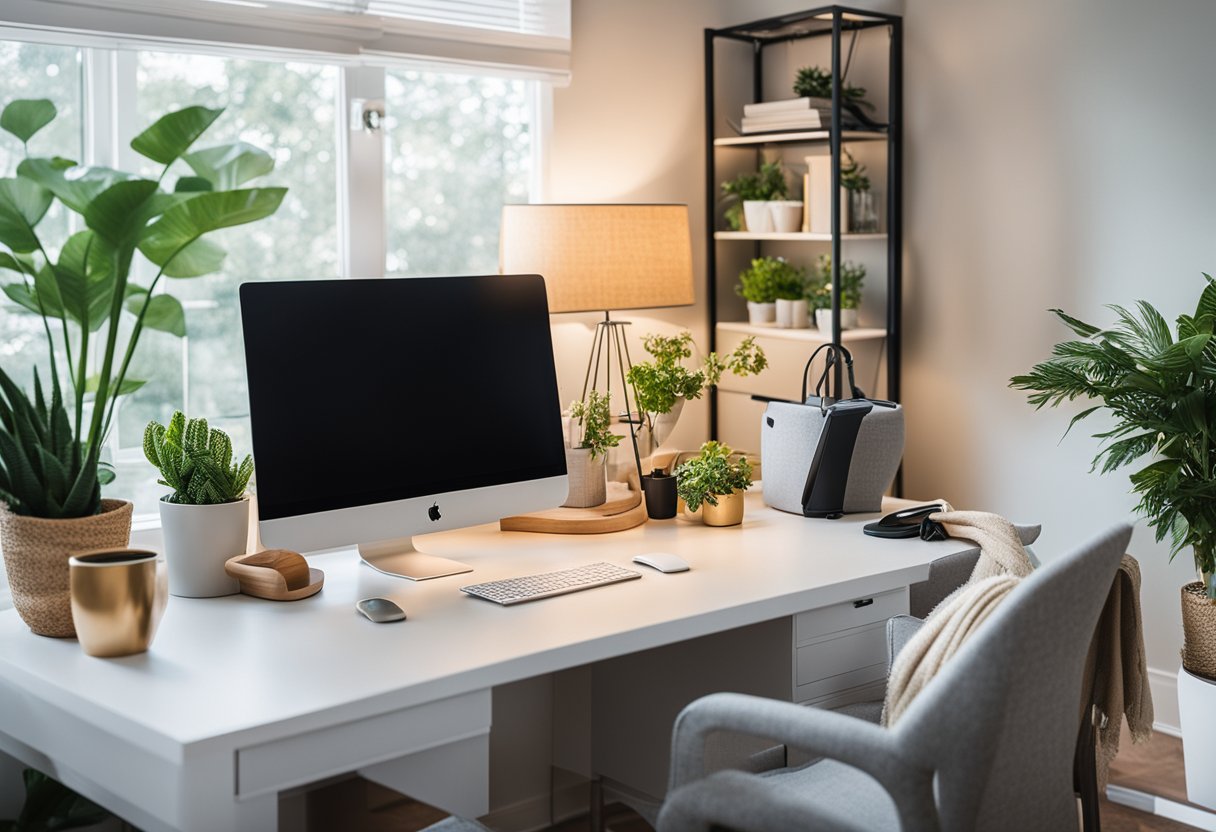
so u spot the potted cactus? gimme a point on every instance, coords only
(206, 519)
(591, 438)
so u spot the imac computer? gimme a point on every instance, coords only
(386, 408)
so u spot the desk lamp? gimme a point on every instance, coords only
(599, 258)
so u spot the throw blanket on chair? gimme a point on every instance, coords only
(1002, 564)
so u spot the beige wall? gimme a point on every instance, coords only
(1058, 154)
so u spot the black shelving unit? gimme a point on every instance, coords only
(836, 23)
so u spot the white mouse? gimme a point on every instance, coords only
(663, 561)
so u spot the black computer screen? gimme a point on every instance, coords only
(368, 391)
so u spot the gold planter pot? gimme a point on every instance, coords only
(118, 597)
(728, 511)
(36, 552)
(1199, 631)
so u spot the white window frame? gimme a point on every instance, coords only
(109, 66)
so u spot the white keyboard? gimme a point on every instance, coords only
(548, 584)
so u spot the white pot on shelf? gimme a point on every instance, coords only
(823, 320)
(198, 540)
(761, 313)
(786, 215)
(756, 216)
(792, 314)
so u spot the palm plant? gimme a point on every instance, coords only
(82, 290)
(1161, 392)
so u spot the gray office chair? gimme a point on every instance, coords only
(988, 744)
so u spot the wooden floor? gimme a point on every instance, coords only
(359, 806)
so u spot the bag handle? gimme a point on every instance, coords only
(824, 383)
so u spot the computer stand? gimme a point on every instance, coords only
(400, 559)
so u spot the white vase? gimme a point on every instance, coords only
(198, 540)
(761, 313)
(823, 320)
(1196, 701)
(786, 215)
(756, 217)
(792, 314)
(665, 423)
(588, 479)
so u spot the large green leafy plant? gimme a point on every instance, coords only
(196, 461)
(659, 383)
(1160, 391)
(93, 311)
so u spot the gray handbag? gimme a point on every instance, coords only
(826, 456)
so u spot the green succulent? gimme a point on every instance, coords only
(44, 470)
(704, 478)
(815, 82)
(766, 184)
(196, 461)
(770, 278)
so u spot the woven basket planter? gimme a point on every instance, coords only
(1199, 631)
(36, 552)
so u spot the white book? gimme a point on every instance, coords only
(786, 105)
(806, 122)
(817, 196)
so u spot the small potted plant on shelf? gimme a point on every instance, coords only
(862, 216)
(714, 484)
(766, 280)
(1155, 392)
(592, 436)
(815, 83)
(751, 194)
(93, 313)
(205, 521)
(819, 293)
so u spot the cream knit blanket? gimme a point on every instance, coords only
(1002, 564)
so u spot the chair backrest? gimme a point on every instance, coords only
(997, 727)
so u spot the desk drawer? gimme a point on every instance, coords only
(864, 647)
(814, 625)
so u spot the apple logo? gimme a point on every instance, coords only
(433, 512)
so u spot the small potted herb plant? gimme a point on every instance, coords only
(590, 422)
(713, 483)
(766, 280)
(750, 195)
(205, 520)
(819, 293)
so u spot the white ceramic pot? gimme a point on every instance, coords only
(1196, 702)
(761, 313)
(198, 539)
(588, 479)
(665, 423)
(792, 314)
(756, 216)
(823, 320)
(786, 215)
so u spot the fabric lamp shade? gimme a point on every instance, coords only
(601, 257)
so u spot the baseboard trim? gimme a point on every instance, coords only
(1164, 687)
(535, 813)
(1162, 807)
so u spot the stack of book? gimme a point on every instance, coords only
(791, 114)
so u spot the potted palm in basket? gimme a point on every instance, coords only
(1159, 388)
(93, 314)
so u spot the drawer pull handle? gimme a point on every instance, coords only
(864, 602)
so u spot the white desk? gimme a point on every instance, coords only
(240, 699)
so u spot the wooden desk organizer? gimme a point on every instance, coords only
(276, 575)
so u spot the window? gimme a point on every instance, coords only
(454, 148)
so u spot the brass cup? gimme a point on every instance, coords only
(118, 597)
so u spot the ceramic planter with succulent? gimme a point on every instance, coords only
(713, 484)
(750, 195)
(662, 384)
(93, 313)
(205, 521)
(819, 293)
(1157, 390)
(591, 438)
(765, 281)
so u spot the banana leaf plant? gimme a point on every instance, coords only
(82, 286)
(1160, 391)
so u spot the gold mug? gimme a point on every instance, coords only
(118, 597)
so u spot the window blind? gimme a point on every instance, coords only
(532, 36)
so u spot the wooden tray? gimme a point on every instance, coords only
(276, 575)
(624, 510)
